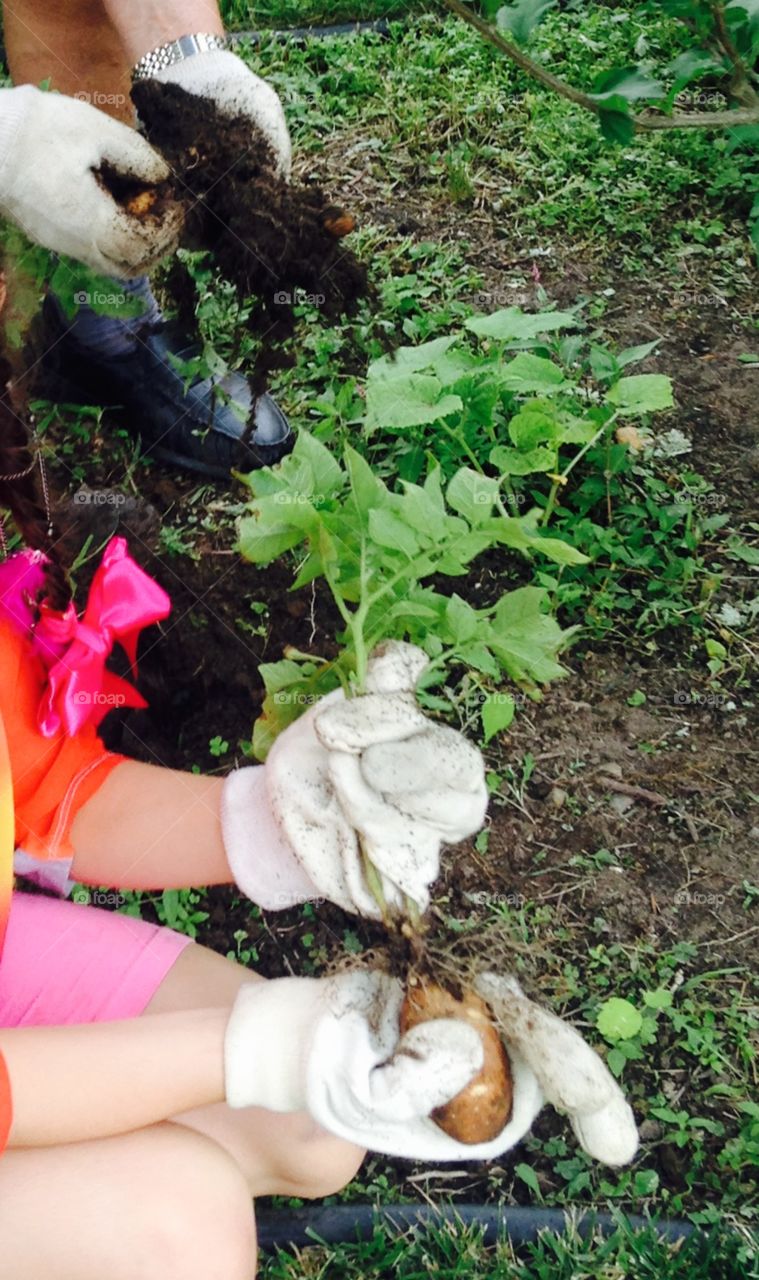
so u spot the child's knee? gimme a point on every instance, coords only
(323, 1165)
(202, 1225)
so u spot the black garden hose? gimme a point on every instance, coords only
(346, 1223)
(299, 35)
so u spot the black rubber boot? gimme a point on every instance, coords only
(199, 427)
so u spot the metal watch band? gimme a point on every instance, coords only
(166, 55)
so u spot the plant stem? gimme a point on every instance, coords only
(559, 483)
(741, 87)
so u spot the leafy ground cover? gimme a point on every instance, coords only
(619, 860)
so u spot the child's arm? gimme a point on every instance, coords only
(151, 828)
(73, 1083)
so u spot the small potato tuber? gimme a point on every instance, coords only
(481, 1110)
(338, 223)
(141, 204)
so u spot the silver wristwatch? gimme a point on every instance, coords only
(166, 55)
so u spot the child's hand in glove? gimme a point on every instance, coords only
(332, 1047)
(52, 151)
(370, 771)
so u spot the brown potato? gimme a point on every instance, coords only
(480, 1111)
(141, 205)
(340, 224)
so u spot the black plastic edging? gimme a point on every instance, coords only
(344, 1224)
(380, 25)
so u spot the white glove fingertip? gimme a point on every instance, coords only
(608, 1134)
(395, 667)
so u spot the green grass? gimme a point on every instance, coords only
(246, 14)
(451, 1253)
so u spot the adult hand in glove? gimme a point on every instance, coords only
(52, 152)
(372, 773)
(332, 1047)
(236, 91)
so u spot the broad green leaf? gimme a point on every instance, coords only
(661, 998)
(518, 532)
(367, 488)
(282, 674)
(421, 511)
(472, 495)
(531, 373)
(618, 1019)
(689, 66)
(433, 486)
(604, 365)
(559, 551)
(641, 393)
(530, 1179)
(479, 657)
(325, 469)
(631, 355)
(409, 359)
(616, 1062)
(461, 619)
(520, 18)
(311, 568)
(469, 545)
(578, 430)
(513, 324)
(456, 364)
(261, 541)
(645, 1182)
(629, 83)
(497, 712)
(525, 640)
(534, 426)
(413, 609)
(388, 530)
(617, 126)
(515, 462)
(408, 401)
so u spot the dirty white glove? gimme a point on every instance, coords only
(373, 766)
(51, 147)
(236, 91)
(571, 1075)
(332, 1047)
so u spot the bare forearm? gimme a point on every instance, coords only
(151, 828)
(144, 24)
(94, 1081)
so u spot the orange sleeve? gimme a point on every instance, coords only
(52, 777)
(6, 1105)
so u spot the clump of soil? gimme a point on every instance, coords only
(278, 243)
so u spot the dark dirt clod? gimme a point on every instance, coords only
(275, 241)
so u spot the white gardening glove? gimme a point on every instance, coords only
(370, 771)
(332, 1047)
(51, 148)
(236, 91)
(572, 1076)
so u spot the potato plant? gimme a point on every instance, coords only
(377, 547)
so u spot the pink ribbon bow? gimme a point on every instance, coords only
(123, 599)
